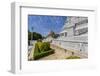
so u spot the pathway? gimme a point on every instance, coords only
(59, 54)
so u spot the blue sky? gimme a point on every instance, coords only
(44, 24)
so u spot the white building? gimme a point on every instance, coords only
(74, 35)
(49, 38)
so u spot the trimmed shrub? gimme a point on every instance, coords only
(40, 45)
(43, 54)
(73, 57)
(42, 49)
(37, 50)
(39, 40)
(45, 46)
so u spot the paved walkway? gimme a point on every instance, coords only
(31, 52)
(59, 54)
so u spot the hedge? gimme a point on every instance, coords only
(43, 54)
(36, 49)
(73, 57)
(45, 46)
(42, 49)
(41, 46)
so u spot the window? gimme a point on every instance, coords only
(81, 31)
(82, 22)
(65, 34)
(62, 34)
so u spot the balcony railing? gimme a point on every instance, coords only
(82, 22)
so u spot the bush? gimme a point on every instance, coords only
(73, 57)
(42, 46)
(43, 54)
(39, 40)
(42, 49)
(45, 46)
(37, 50)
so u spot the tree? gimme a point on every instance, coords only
(29, 35)
(36, 36)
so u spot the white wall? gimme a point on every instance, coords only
(5, 42)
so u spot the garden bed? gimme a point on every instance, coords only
(43, 54)
(42, 49)
(73, 57)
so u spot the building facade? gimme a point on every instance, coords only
(74, 35)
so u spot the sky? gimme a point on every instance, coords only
(45, 24)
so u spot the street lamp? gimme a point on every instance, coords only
(32, 34)
(32, 28)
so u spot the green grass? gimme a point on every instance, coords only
(73, 57)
